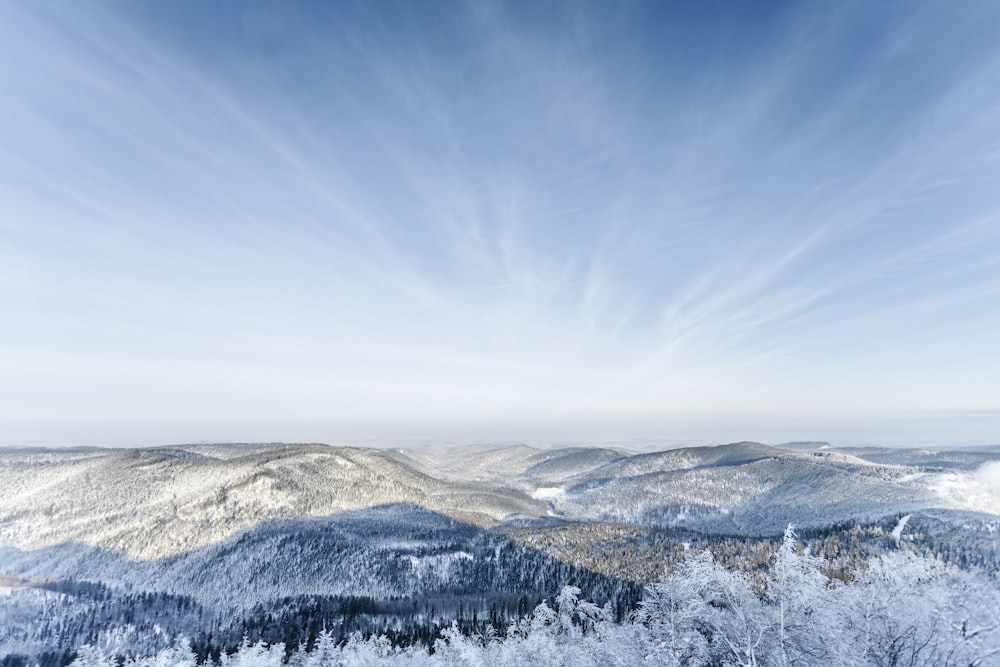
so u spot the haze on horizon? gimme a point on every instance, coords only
(753, 220)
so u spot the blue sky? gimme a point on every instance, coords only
(703, 217)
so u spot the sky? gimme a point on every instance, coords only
(689, 220)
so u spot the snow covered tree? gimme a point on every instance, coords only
(257, 655)
(675, 612)
(805, 606)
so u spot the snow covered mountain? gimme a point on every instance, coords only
(150, 503)
(154, 503)
(276, 542)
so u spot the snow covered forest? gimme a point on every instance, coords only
(221, 555)
(901, 609)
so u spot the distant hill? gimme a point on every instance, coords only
(158, 502)
(150, 503)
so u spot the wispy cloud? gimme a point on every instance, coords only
(489, 212)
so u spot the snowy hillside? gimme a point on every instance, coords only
(385, 552)
(137, 547)
(149, 503)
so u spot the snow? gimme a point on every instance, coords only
(897, 532)
(548, 493)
